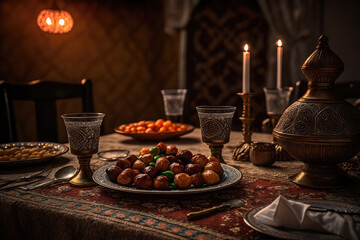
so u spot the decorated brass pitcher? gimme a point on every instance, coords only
(320, 129)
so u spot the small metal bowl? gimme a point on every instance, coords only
(262, 153)
(113, 155)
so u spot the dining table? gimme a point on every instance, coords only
(63, 211)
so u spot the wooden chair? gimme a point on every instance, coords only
(44, 94)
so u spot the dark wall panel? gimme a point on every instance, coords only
(120, 45)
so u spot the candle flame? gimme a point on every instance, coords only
(279, 43)
(246, 47)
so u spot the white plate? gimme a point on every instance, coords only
(293, 234)
(231, 176)
(60, 148)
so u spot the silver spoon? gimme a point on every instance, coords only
(65, 173)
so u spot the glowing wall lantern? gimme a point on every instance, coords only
(55, 21)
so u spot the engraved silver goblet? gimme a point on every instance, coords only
(215, 124)
(83, 131)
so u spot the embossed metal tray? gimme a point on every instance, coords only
(231, 177)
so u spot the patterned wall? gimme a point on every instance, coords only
(217, 34)
(119, 44)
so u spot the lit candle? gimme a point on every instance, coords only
(246, 70)
(279, 63)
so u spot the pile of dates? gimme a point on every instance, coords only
(166, 167)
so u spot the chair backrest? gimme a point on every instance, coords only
(44, 94)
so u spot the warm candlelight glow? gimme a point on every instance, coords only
(62, 22)
(48, 21)
(55, 21)
(246, 47)
(279, 43)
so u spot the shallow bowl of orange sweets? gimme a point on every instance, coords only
(154, 130)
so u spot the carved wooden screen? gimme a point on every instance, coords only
(217, 33)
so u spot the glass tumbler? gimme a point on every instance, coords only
(174, 104)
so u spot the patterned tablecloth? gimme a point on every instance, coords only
(65, 212)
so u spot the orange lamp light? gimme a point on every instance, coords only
(55, 21)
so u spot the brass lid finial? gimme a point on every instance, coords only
(323, 65)
(322, 42)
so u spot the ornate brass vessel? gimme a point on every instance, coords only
(320, 129)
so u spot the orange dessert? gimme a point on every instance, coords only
(159, 125)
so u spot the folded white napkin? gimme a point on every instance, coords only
(294, 215)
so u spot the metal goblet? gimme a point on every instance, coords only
(83, 131)
(215, 124)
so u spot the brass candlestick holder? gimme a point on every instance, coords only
(242, 152)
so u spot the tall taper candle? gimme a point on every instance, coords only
(279, 63)
(246, 70)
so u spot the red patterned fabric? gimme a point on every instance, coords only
(164, 210)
